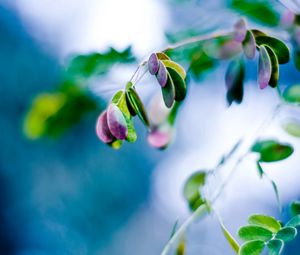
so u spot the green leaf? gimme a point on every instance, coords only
(286, 234)
(232, 242)
(292, 127)
(265, 221)
(292, 94)
(178, 68)
(275, 246)
(271, 150)
(279, 47)
(168, 92)
(274, 67)
(131, 136)
(251, 232)
(119, 99)
(294, 222)
(192, 189)
(179, 84)
(252, 248)
(137, 104)
(234, 79)
(295, 208)
(98, 63)
(260, 11)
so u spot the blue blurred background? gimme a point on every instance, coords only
(74, 195)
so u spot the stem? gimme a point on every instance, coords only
(197, 39)
(203, 209)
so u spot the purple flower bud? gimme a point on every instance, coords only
(102, 129)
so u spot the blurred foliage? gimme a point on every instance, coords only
(52, 113)
(259, 10)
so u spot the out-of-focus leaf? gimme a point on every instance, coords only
(137, 104)
(295, 208)
(260, 169)
(249, 45)
(51, 114)
(274, 67)
(275, 246)
(240, 30)
(192, 189)
(292, 127)
(279, 47)
(234, 79)
(116, 144)
(231, 240)
(97, 63)
(260, 11)
(181, 247)
(252, 248)
(271, 151)
(286, 234)
(168, 92)
(265, 221)
(251, 232)
(222, 47)
(264, 67)
(294, 222)
(296, 58)
(116, 122)
(292, 94)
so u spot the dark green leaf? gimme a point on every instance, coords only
(271, 151)
(265, 221)
(280, 49)
(168, 92)
(234, 79)
(286, 234)
(274, 67)
(252, 248)
(295, 208)
(292, 94)
(179, 84)
(275, 246)
(192, 189)
(137, 104)
(260, 11)
(251, 232)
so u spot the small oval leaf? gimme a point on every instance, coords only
(162, 56)
(264, 67)
(275, 246)
(179, 84)
(295, 208)
(252, 248)
(249, 45)
(251, 232)
(168, 92)
(138, 106)
(102, 129)
(178, 68)
(280, 49)
(292, 94)
(162, 75)
(192, 189)
(265, 221)
(240, 30)
(274, 67)
(294, 222)
(116, 122)
(292, 127)
(286, 234)
(153, 64)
